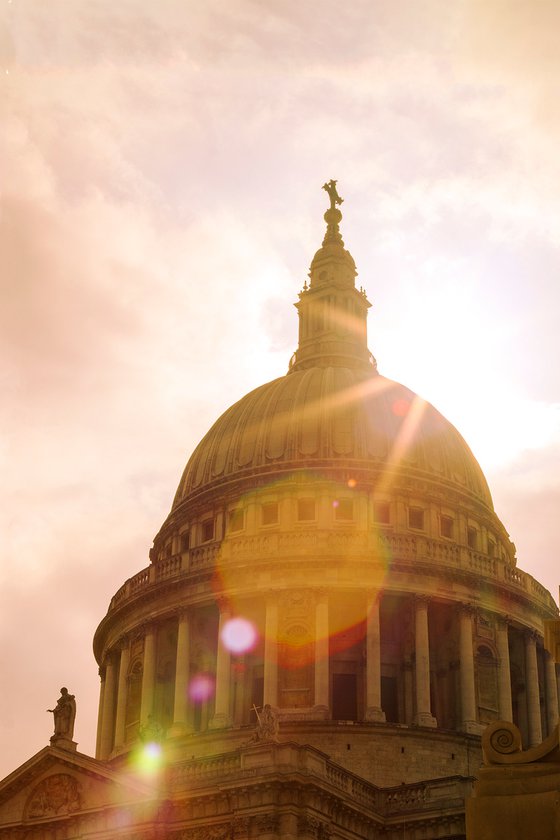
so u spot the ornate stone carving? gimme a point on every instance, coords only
(268, 824)
(240, 828)
(55, 795)
(267, 725)
(312, 827)
(206, 832)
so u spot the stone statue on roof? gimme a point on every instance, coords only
(330, 188)
(64, 716)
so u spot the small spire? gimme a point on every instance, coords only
(333, 215)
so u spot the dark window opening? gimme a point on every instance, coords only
(208, 530)
(236, 520)
(491, 548)
(269, 513)
(389, 699)
(185, 541)
(382, 513)
(344, 509)
(345, 697)
(416, 518)
(306, 509)
(472, 538)
(446, 526)
(168, 550)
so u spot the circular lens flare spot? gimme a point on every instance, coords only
(336, 503)
(401, 408)
(239, 635)
(148, 760)
(352, 483)
(201, 687)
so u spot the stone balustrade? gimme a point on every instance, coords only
(386, 548)
(265, 758)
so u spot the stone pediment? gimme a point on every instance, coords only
(55, 783)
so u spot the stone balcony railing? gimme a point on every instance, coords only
(256, 762)
(387, 549)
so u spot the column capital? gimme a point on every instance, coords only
(148, 627)
(503, 622)
(109, 659)
(224, 604)
(421, 600)
(123, 641)
(465, 608)
(531, 635)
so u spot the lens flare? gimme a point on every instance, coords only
(239, 635)
(148, 759)
(400, 408)
(352, 483)
(201, 687)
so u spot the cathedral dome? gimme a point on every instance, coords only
(332, 416)
(344, 523)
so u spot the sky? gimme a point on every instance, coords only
(161, 168)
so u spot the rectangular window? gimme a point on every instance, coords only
(269, 513)
(446, 526)
(382, 513)
(208, 530)
(416, 518)
(344, 697)
(236, 520)
(185, 541)
(306, 509)
(344, 509)
(491, 548)
(472, 538)
(168, 550)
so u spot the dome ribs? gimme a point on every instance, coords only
(323, 417)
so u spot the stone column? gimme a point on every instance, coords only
(106, 743)
(122, 692)
(289, 826)
(504, 674)
(551, 692)
(271, 651)
(182, 661)
(408, 682)
(373, 661)
(148, 675)
(101, 673)
(222, 716)
(322, 654)
(466, 665)
(532, 689)
(424, 715)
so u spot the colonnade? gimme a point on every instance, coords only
(115, 674)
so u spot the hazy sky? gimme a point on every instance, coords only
(161, 167)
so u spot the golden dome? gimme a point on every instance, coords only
(320, 418)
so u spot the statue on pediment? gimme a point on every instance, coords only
(64, 716)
